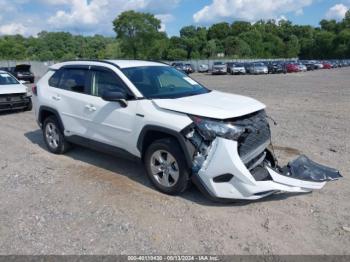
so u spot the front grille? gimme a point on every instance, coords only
(257, 137)
(8, 98)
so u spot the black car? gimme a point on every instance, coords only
(276, 68)
(310, 66)
(23, 72)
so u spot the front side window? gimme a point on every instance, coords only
(105, 81)
(163, 82)
(74, 80)
(7, 79)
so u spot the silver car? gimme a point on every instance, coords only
(257, 68)
(219, 68)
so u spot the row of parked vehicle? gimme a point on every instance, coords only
(261, 67)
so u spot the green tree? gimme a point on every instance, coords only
(136, 32)
(236, 47)
(219, 31)
(292, 47)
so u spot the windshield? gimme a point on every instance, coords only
(219, 63)
(259, 64)
(163, 82)
(7, 79)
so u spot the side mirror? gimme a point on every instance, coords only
(22, 82)
(119, 97)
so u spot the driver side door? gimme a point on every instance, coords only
(111, 123)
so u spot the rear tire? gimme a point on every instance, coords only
(53, 136)
(166, 166)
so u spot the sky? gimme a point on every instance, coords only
(89, 17)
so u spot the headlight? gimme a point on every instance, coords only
(210, 129)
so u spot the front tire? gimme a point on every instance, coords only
(53, 136)
(29, 106)
(166, 166)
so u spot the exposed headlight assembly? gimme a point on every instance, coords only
(210, 129)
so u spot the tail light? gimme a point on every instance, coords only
(35, 90)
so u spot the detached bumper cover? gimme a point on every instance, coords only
(300, 176)
(305, 169)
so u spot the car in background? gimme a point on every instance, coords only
(319, 65)
(292, 68)
(203, 68)
(189, 69)
(257, 68)
(236, 68)
(276, 67)
(179, 66)
(219, 68)
(326, 65)
(23, 72)
(310, 66)
(13, 94)
(302, 67)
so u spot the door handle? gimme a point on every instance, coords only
(56, 98)
(91, 108)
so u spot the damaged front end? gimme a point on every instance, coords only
(232, 160)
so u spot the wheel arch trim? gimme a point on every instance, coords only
(186, 147)
(52, 111)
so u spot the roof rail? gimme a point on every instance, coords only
(114, 64)
(92, 60)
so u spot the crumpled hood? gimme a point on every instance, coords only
(12, 89)
(217, 105)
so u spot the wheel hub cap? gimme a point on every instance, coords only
(164, 168)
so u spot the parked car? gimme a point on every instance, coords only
(219, 68)
(257, 68)
(203, 68)
(188, 68)
(23, 72)
(310, 66)
(276, 68)
(179, 66)
(13, 94)
(319, 65)
(181, 130)
(236, 69)
(302, 67)
(292, 68)
(326, 65)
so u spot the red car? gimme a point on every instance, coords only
(327, 65)
(292, 68)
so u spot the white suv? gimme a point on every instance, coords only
(181, 130)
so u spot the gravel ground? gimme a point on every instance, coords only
(90, 203)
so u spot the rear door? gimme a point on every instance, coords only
(70, 96)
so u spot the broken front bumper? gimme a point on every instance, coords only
(224, 175)
(14, 102)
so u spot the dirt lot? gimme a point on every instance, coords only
(90, 203)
